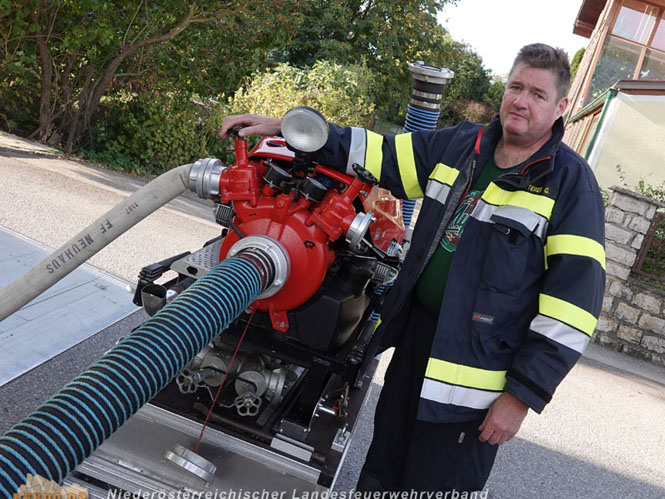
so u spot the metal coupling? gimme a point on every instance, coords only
(358, 229)
(269, 256)
(192, 462)
(204, 177)
(428, 84)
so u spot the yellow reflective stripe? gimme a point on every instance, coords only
(472, 377)
(567, 313)
(497, 196)
(444, 174)
(576, 245)
(378, 323)
(407, 166)
(374, 154)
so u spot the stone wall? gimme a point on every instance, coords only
(633, 316)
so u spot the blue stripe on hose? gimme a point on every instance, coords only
(195, 346)
(28, 449)
(76, 421)
(423, 119)
(127, 350)
(32, 421)
(118, 359)
(162, 356)
(176, 338)
(53, 445)
(418, 111)
(233, 289)
(72, 387)
(208, 290)
(95, 386)
(420, 123)
(42, 414)
(113, 394)
(51, 404)
(191, 346)
(5, 475)
(94, 420)
(23, 461)
(430, 121)
(235, 295)
(108, 359)
(169, 342)
(44, 449)
(157, 383)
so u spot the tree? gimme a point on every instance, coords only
(387, 35)
(470, 95)
(575, 63)
(78, 51)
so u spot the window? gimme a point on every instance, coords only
(635, 48)
(658, 41)
(635, 21)
(618, 60)
(654, 66)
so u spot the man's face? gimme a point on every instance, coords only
(530, 105)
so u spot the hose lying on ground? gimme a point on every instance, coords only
(63, 431)
(93, 238)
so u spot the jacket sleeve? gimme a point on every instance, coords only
(570, 300)
(402, 163)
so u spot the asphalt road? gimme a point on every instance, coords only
(601, 437)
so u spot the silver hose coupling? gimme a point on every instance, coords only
(204, 177)
(271, 258)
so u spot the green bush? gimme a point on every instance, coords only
(149, 133)
(342, 93)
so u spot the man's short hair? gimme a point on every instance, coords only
(542, 56)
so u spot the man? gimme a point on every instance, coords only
(502, 285)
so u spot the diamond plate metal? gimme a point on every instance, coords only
(198, 263)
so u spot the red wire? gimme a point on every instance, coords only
(219, 390)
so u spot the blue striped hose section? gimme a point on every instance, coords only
(417, 119)
(420, 119)
(63, 431)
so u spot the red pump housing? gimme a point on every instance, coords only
(304, 228)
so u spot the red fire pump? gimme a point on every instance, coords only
(300, 212)
(302, 221)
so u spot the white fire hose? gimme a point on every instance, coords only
(93, 238)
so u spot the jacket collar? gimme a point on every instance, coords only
(540, 163)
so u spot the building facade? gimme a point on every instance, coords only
(616, 116)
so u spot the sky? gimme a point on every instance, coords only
(496, 29)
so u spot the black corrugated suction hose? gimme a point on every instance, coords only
(63, 431)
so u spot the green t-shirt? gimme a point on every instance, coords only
(432, 282)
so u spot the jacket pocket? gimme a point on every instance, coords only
(498, 325)
(506, 255)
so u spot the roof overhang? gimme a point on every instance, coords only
(641, 87)
(587, 17)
